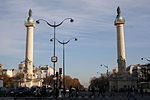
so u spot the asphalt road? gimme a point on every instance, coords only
(84, 96)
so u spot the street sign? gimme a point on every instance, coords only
(54, 59)
(44, 68)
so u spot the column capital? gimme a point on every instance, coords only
(29, 24)
(118, 22)
(119, 19)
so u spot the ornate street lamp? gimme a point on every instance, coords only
(54, 58)
(145, 59)
(64, 43)
(105, 67)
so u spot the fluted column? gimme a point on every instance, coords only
(29, 46)
(119, 23)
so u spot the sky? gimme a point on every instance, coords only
(93, 26)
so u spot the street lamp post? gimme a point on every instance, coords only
(105, 67)
(46, 76)
(63, 43)
(54, 58)
(107, 83)
(145, 59)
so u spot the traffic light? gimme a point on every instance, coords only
(60, 70)
(56, 74)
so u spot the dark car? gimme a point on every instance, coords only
(3, 91)
(10, 92)
(22, 91)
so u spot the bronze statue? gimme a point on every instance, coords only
(118, 11)
(30, 13)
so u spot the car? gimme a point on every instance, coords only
(3, 91)
(10, 92)
(22, 91)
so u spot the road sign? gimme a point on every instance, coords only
(44, 68)
(54, 59)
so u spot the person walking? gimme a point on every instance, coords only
(64, 92)
(113, 92)
(77, 91)
(100, 91)
(57, 92)
(132, 93)
(141, 91)
(93, 91)
(70, 92)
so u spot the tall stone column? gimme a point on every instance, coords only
(29, 47)
(119, 23)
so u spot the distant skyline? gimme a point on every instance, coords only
(93, 26)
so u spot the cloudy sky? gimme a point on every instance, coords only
(93, 26)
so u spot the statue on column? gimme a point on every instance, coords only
(30, 16)
(118, 12)
(30, 12)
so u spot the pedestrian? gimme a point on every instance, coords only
(77, 91)
(64, 91)
(93, 91)
(141, 91)
(128, 91)
(132, 93)
(43, 91)
(100, 91)
(103, 92)
(113, 92)
(57, 92)
(38, 92)
(70, 92)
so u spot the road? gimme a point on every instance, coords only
(84, 96)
